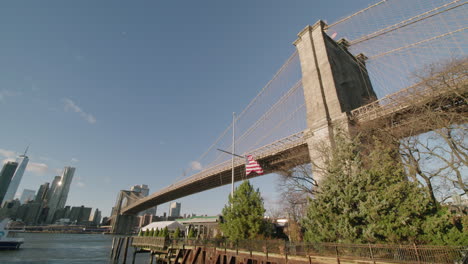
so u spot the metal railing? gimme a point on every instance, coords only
(371, 252)
(409, 97)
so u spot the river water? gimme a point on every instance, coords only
(64, 248)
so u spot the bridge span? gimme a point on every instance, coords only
(391, 110)
(335, 90)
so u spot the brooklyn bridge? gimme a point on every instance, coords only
(356, 71)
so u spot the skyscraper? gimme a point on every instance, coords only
(42, 193)
(52, 188)
(174, 210)
(5, 178)
(97, 217)
(27, 195)
(22, 161)
(60, 193)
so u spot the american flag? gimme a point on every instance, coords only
(252, 166)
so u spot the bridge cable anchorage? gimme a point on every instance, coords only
(283, 67)
(406, 22)
(417, 43)
(355, 14)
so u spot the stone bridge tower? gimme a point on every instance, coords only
(335, 82)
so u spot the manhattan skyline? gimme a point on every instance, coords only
(133, 93)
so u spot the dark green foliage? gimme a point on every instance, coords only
(177, 233)
(191, 233)
(165, 232)
(243, 216)
(368, 199)
(151, 233)
(147, 232)
(156, 232)
(444, 228)
(140, 233)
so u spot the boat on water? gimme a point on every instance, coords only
(7, 239)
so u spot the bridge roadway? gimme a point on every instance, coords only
(390, 109)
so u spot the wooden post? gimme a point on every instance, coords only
(127, 239)
(116, 249)
(112, 248)
(371, 254)
(119, 248)
(417, 253)
(337, 256)
(286, 252)
(134, 255)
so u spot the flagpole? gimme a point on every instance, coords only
(233, 151)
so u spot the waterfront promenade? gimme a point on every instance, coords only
(182, 251)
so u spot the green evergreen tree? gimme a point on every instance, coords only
(140, 233)
(147, 232)
(165, 232)
(151, 233)
(177, 233)
(156, 232)
(243, 216)
(368, 198)
(191, 233)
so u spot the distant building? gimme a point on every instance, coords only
(62, 213)
(144, 191)
(27, 195)
(80, 215)
(174, 209)
(205, 226)
(42, 193)
(96, 220)
(6, 174)
(29, 212)
(22, 161)
(60, 193)
(105, 221)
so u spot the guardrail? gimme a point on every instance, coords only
(411, 96)
(371, 252)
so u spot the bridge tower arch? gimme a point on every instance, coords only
(335, 82)
(120, 223)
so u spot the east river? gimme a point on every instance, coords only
(63, 248)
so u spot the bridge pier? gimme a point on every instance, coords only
(335, 82)
(124, 224)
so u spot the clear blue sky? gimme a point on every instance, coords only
(130, 92)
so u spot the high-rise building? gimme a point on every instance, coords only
(22, 161)
(144, 191)
(27, 195)
(80, 215)
(60, 193)
(42, 193)
(174, 209)
(97, 217)
(52, 188)
(5, 178)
